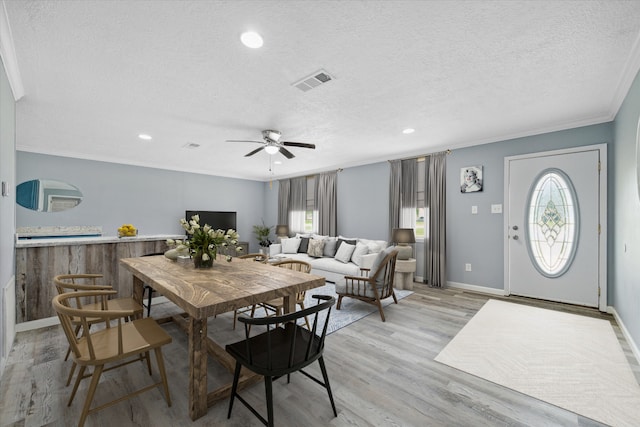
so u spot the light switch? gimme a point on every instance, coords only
(474, 210)
(496, 208)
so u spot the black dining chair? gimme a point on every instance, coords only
(149, 289)
(282, 350)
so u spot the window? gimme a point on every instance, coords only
(552, 223)
(422, 219)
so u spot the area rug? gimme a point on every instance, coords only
(571, 361)
(351, 309)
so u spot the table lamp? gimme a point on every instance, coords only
(282, 231)
(402, 237)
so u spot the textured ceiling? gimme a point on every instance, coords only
(98, 73)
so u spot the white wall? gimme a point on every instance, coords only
(624, 248)
(7, 217)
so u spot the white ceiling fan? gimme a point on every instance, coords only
(272, 144)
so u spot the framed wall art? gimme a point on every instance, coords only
(471, 179)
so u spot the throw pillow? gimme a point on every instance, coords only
(340, 241)
(330, 247)
(359, 250)
(379, 258)
(290, 246)
(304, 245)
(344, 252)
(316, 248)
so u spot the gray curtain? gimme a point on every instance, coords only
(327, 202)
(284, 189)
(395, 203)
(297, 204)
(435, 248)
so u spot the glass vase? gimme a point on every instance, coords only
(199, 262)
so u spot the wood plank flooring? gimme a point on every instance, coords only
(381, 374)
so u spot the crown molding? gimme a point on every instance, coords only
(628, 75)
(8, 55)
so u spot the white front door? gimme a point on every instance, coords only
(554, 214)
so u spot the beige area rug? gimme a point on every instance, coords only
(574, 362)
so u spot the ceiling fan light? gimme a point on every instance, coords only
(271, 149)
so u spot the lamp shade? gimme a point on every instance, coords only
(403, 235)
(282, 230)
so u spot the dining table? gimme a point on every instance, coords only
(206, 292)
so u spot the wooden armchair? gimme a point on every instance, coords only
(377, 286)
(123, 344)
(88, 282)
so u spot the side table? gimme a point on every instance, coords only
(405, 268)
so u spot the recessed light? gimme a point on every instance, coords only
(145, 137)
(407, 131)
(277, 162)
(251, 39)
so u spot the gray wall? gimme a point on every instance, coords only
(151, 199)
(7, 206)
(625, 215)
(478, 239)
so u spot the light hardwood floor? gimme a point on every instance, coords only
(382, 374)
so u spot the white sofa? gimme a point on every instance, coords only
(333, 265)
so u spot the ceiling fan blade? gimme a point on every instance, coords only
(288, 154)
(298, 144)
(254, 152)
(243, 140)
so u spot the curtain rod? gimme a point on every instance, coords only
(422, 155)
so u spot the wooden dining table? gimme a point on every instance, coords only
(203, 293)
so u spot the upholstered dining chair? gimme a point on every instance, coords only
(89, 282)
(282, 351)
(121, 344)
(376, 285)
(276, 306)
(258, 257)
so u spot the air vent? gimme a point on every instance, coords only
(314, 80)
(191, 145)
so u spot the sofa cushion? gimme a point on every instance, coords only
(378, 261)
(330, 245)
(375, 246)
(304, 245)
(315, 248)
(344, 252)
(290, 246)
(334, 267)
(342, 240)
(359, 250)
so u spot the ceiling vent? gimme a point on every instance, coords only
(191, 145)
(314, 80)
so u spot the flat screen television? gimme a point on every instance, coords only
(216, 219)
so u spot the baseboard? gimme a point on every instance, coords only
(51, 321)
(476, 288)
(625, 332)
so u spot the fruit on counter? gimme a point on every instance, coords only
(127, 230)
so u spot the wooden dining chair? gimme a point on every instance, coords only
(89, 282)
(258, 257)
(122, 344)
(276, 306)
(375, 285)
(282, 351)
(146, 289)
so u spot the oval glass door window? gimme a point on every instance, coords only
(552, 223)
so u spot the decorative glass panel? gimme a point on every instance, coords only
(552, 223)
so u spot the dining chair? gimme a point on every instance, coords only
(258, 257)
(146, 288)
(375, 285)
(282, 350)
(89, 282)
(276, 306)
(124, 343)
